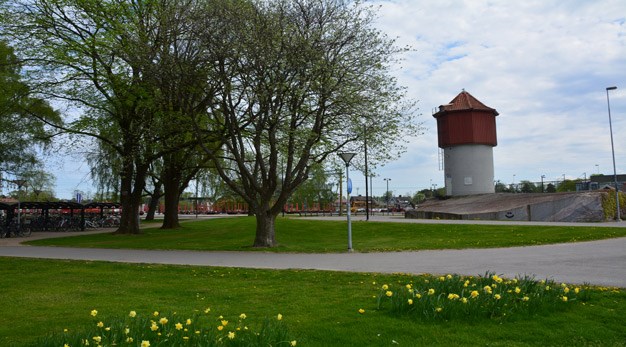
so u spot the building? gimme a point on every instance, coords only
(466, 130)
(605, 181)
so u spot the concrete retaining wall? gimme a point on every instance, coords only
(568, 207)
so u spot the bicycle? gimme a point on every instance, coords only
(13, 230)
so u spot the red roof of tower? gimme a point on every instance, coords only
(463, 102)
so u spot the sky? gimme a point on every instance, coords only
(543, 65)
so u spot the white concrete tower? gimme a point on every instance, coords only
(466, 131)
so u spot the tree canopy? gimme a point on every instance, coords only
(20, 130)
(296, 82)
(263, 90)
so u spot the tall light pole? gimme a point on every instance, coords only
(542, 177)
(387, 193)
(608, 104)
(346, 158)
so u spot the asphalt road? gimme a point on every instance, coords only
(597, 262)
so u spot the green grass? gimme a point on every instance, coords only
(299, 235)
(319, 308)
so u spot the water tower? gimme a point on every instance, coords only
(466, 130)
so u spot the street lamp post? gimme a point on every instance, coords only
(387, 193)
(542, 177)
(346, 158)
(617, 214)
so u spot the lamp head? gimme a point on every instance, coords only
(346, 156)
(611, 88)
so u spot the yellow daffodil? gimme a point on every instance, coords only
(154, 327)
(188, 322)
(94, 313)
(129, 340)
(448, 276)
(231, 335)
(156, 314)
(464, 300)
(207, 310)
(66, 345)
(410, 301)
(497, 297)
(466, 283)
(439, 309)
(98, 339)
(224, 322)
(418, 295)
(127, 331)
(576, 290)
(385, 287)
(389, 293)
(220, 328)
(431, 291)
(145, 343)
(566, 290)
(525, 298)
(361, 311)
(474, 294)
(178, 326)
(132, 314)
(293, 343)
(564, 298)
(100, 325)
(441, 279)
(163, 320)
(487, 289)
(279, 317)
(409, 286)
(243, 316)
(517, 290)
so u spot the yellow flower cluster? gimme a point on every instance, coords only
(488, 296)
(137, 331)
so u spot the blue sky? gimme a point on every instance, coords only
(544, 65)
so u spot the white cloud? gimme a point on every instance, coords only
(543, 65)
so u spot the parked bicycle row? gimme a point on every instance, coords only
(30, 223)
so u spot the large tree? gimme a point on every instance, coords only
(20, 130)
(115, 62)
(296, 82)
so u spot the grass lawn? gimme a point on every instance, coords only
(320, 308)
(301, 235)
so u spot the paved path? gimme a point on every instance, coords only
(597, 262)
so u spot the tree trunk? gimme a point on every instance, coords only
(265, 233)
(170, 211)
(171, 187)
(132, 185)
(129, 221)
(154, 203)
(152, 206)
